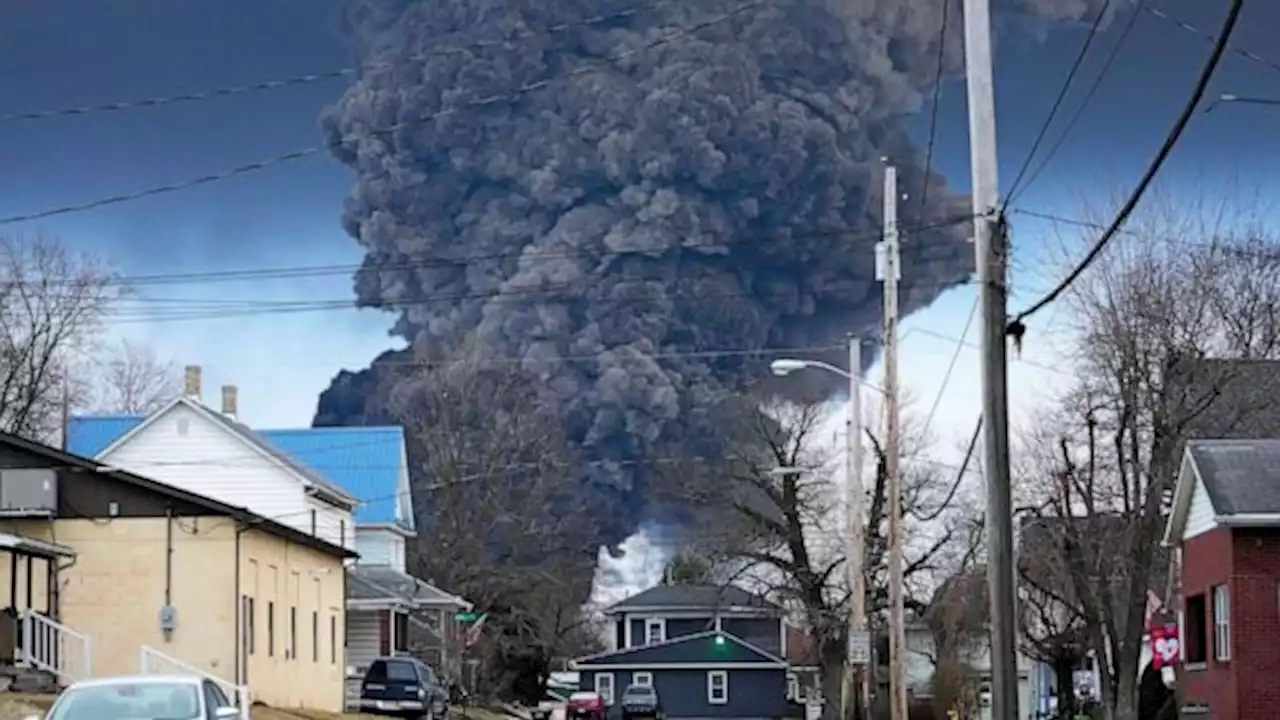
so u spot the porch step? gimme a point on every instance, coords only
(31, 681)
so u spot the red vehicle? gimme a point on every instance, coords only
(585, 706)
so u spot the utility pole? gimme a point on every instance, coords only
(990, 249)
(891, 273)
(859, 650)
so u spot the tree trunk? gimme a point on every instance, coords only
(1065, 681)
(831, 654)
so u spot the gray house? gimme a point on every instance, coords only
(710, 651)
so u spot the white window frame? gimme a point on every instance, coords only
(1221, 623)
(606, 696)
(723, 675)
(793, 686)
(660, 624)
(643, 679)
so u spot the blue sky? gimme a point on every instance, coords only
(82, 52)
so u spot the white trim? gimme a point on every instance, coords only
(719, 627)
(676, 666)
(642, 678)
(711, 696)
(688, 612)
(626, 632)
(1249, 519)
(1221, 622)
(775, 660)
(782, 639)
(1183, 489)
(387, 527)
(612, 688)
(380, 604)
(652, 622)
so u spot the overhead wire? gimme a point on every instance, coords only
(1016, 326)
(1084, 101)
(934, 109)
(1242, 53)
(300, 154)
(1057, 103)
(322, 75)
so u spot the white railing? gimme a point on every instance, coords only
(153, 662)
(55, 648)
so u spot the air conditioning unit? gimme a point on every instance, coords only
(28, 492)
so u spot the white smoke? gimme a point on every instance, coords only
(639, 568)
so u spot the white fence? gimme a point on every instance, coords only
(55, 648)
(153, 662)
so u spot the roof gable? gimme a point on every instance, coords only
(367, 462)
(705, 648)
(1240, 476)
(682, 597)
(248, 437)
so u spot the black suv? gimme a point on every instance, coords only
(403, 687)
(641, 701)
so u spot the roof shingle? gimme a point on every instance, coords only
(1241, 476)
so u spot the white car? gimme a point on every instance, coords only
(153, 697)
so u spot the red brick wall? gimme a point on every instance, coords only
(1206, 561)
(1255, 622)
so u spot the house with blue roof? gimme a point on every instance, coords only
(352, 488)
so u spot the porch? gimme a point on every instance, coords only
(31, 639)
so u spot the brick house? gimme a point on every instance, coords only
(1225, 526)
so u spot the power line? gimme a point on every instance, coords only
(1189, 27)
(1016, 327)
(317, 150)
(1084, 102)
(1057, 103)
(933, 113)
(315, 77)
(951, 366)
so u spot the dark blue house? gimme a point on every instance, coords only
(710, 651)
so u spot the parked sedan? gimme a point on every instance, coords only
(403, 687)
(173, 697)
(641, 701)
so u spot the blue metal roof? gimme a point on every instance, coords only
(363, 461)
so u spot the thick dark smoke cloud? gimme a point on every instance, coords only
(720, 191)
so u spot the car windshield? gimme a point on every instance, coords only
(401, 672)
(129, 701)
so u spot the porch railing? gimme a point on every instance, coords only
(55, 648)
(153, 662)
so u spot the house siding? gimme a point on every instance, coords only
(183, 449)
(764, 633)
(675, 627)
(363, 639)
(1255, 623)
(1207, 561)
(1200, 513)
(752, 693)
(380, 547)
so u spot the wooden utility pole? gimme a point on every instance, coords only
(991, 254)
(891, 273)
(859, 650)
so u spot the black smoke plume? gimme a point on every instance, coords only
(609, 192)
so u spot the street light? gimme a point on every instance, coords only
(859, 645)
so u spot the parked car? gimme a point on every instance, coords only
(179, 697)
(403, 687)
(641, 701)
(585, 706)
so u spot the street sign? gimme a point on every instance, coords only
(859, 647)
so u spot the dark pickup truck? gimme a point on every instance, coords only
(641, 701)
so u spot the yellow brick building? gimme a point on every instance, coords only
(152, 577)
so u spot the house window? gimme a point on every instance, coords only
(1196, 620)
(793, 687)
(718, 687)
(249, 634)
(293, 633)
(315, 636)
(271, 628)
(643, 679)
(604, 687)
(1221, 624)
(655, 631)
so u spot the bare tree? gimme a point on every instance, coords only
(784, 529)
(504, 525)
(53, 306)
(1170, 329)
(131, 379)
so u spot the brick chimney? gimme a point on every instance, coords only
(229, 401)
(191, 382)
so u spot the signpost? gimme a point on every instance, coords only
(859, 647)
